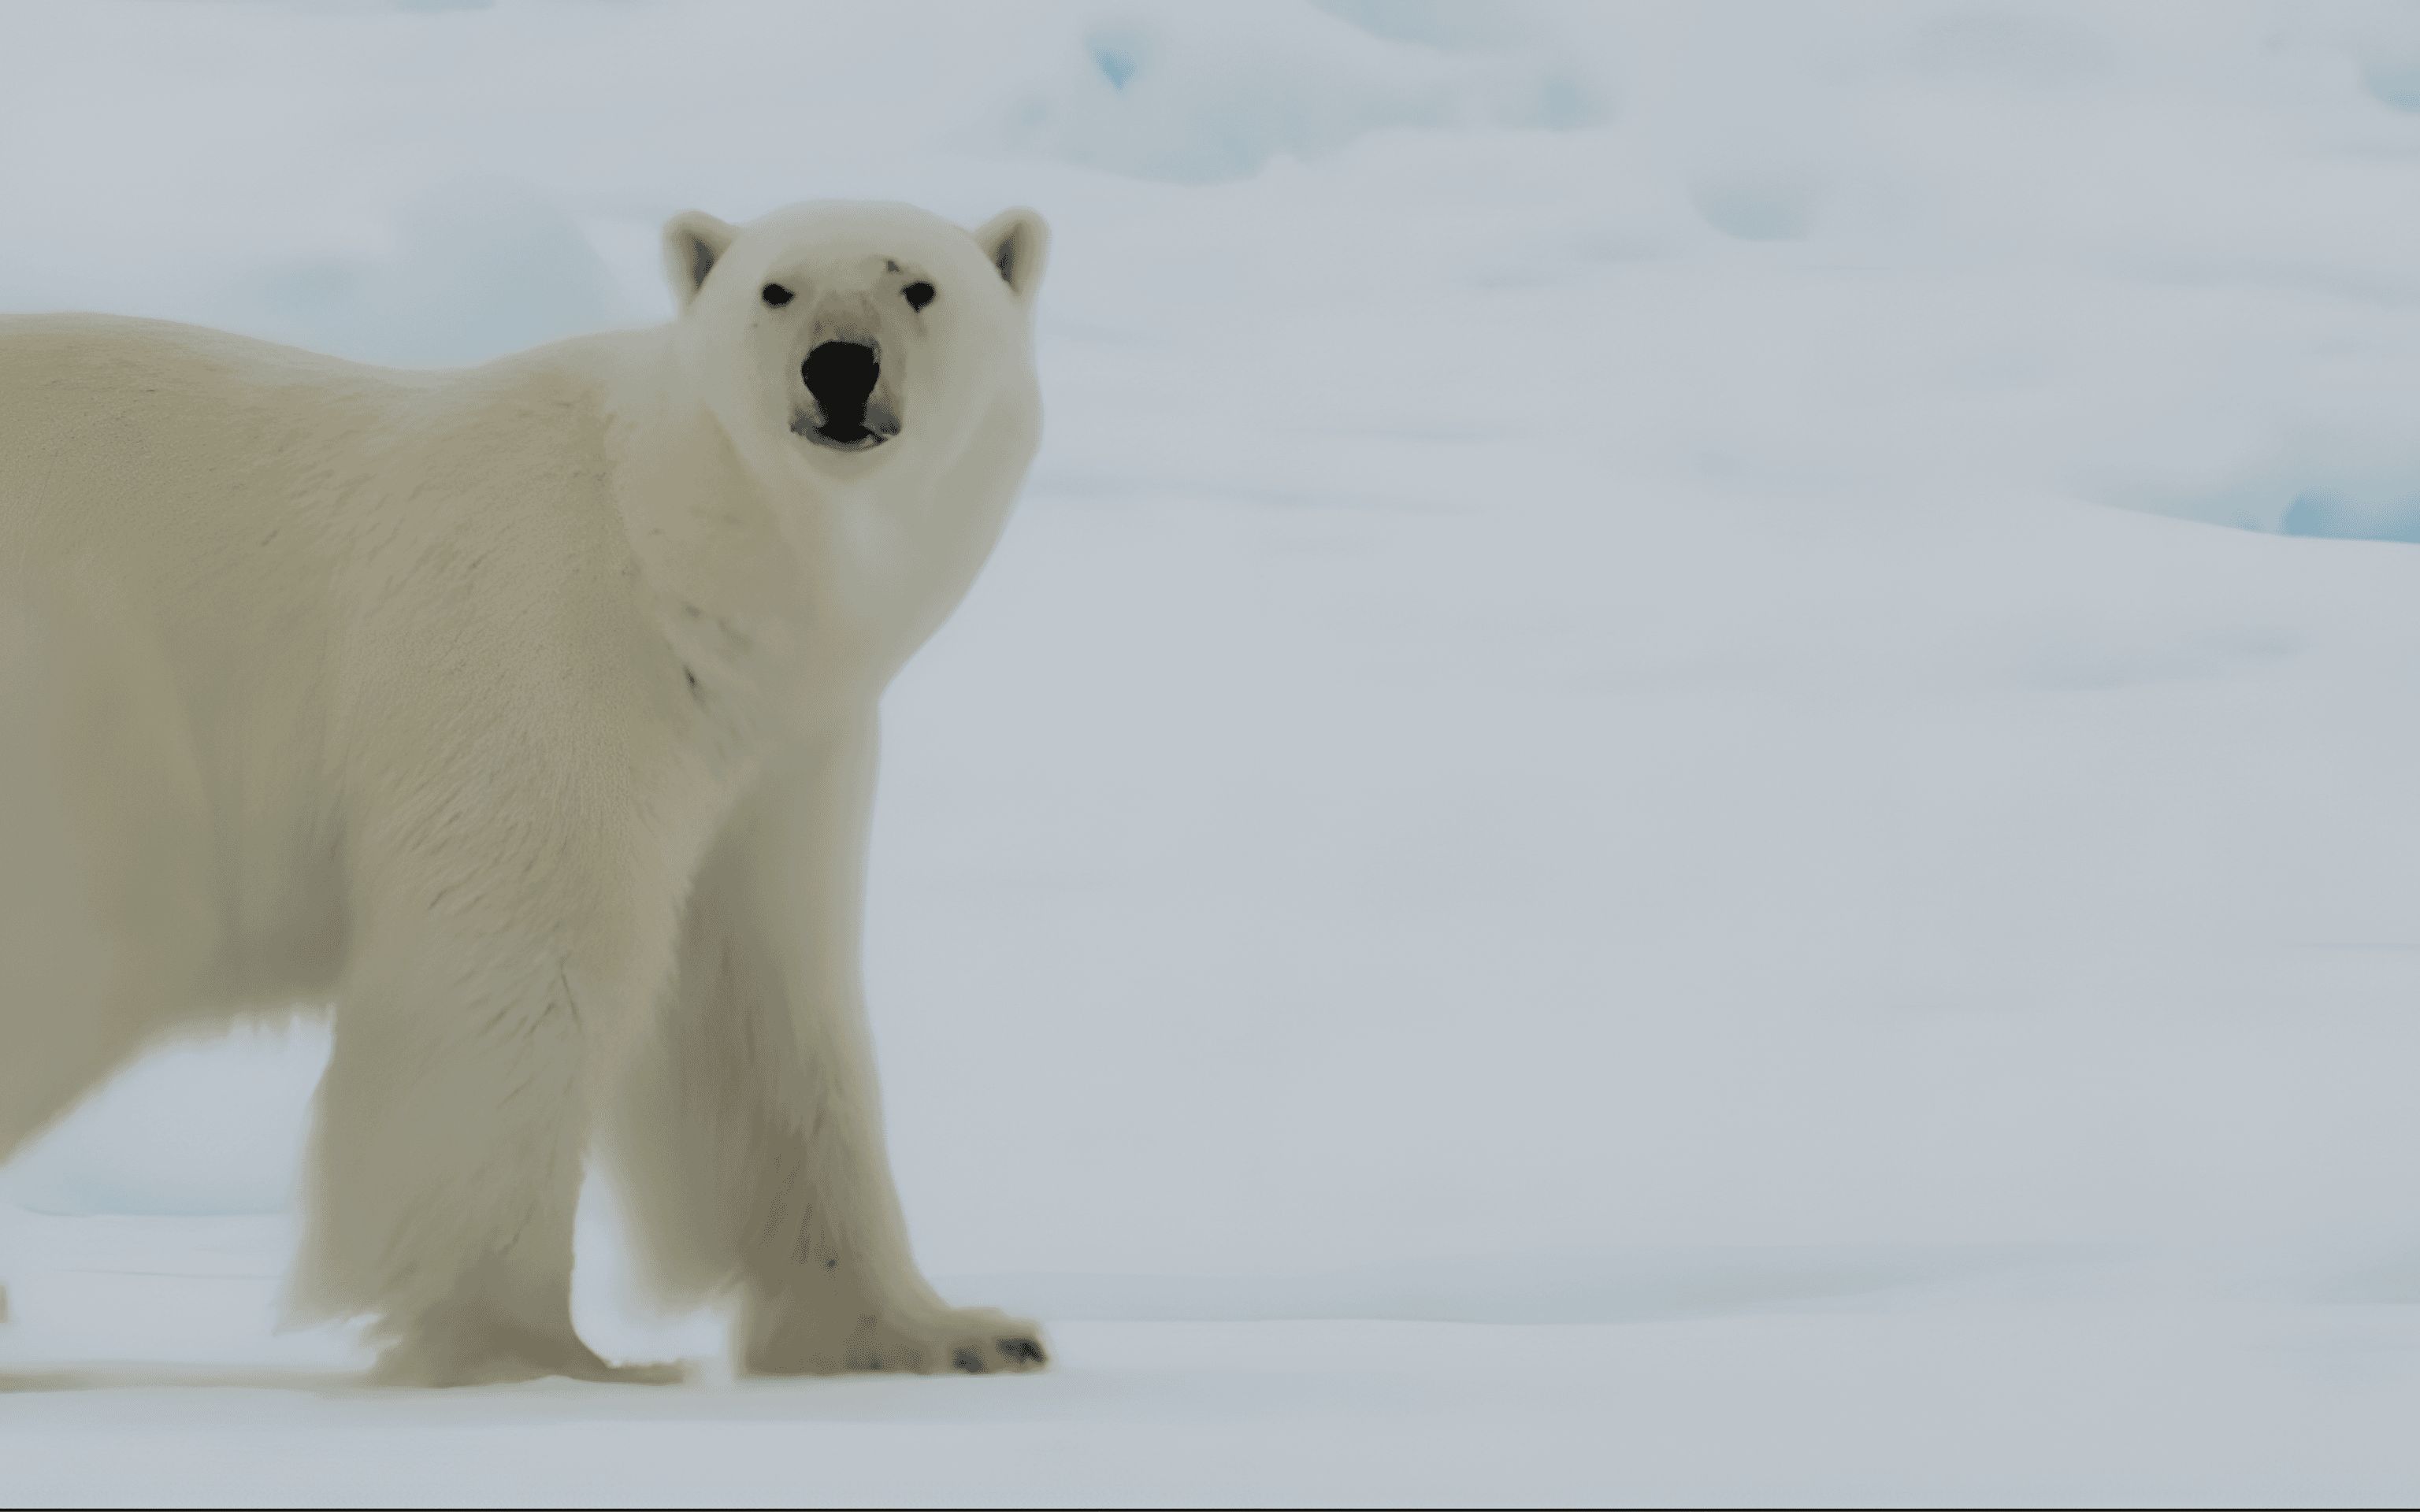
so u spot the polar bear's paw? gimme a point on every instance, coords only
(974, 1341)
(457, 1353)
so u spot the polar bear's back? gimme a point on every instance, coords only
(181, 488)
(209, 472)
(109, 423)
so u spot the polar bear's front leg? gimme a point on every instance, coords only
(452, 1123)
(751, 1137)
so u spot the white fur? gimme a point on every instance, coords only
(527, 714)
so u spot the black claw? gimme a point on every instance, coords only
(967, 1361)
(1023, 1351)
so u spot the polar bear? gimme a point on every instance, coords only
(526, 714)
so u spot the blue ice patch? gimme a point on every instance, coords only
(2325, 512)
(1116, 61)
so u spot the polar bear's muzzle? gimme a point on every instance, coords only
(843, 383)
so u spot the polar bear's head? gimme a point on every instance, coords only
(845, 336)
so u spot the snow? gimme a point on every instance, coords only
(1706, 1377)
(1666, 796)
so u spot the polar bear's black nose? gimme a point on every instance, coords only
(841, 376)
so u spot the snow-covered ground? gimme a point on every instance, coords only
(1729, 1377)
(1664, 797)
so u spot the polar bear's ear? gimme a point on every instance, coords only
(694, 241)
(1018, 244)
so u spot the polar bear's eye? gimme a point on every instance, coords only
(776, 296)
(918, 294)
